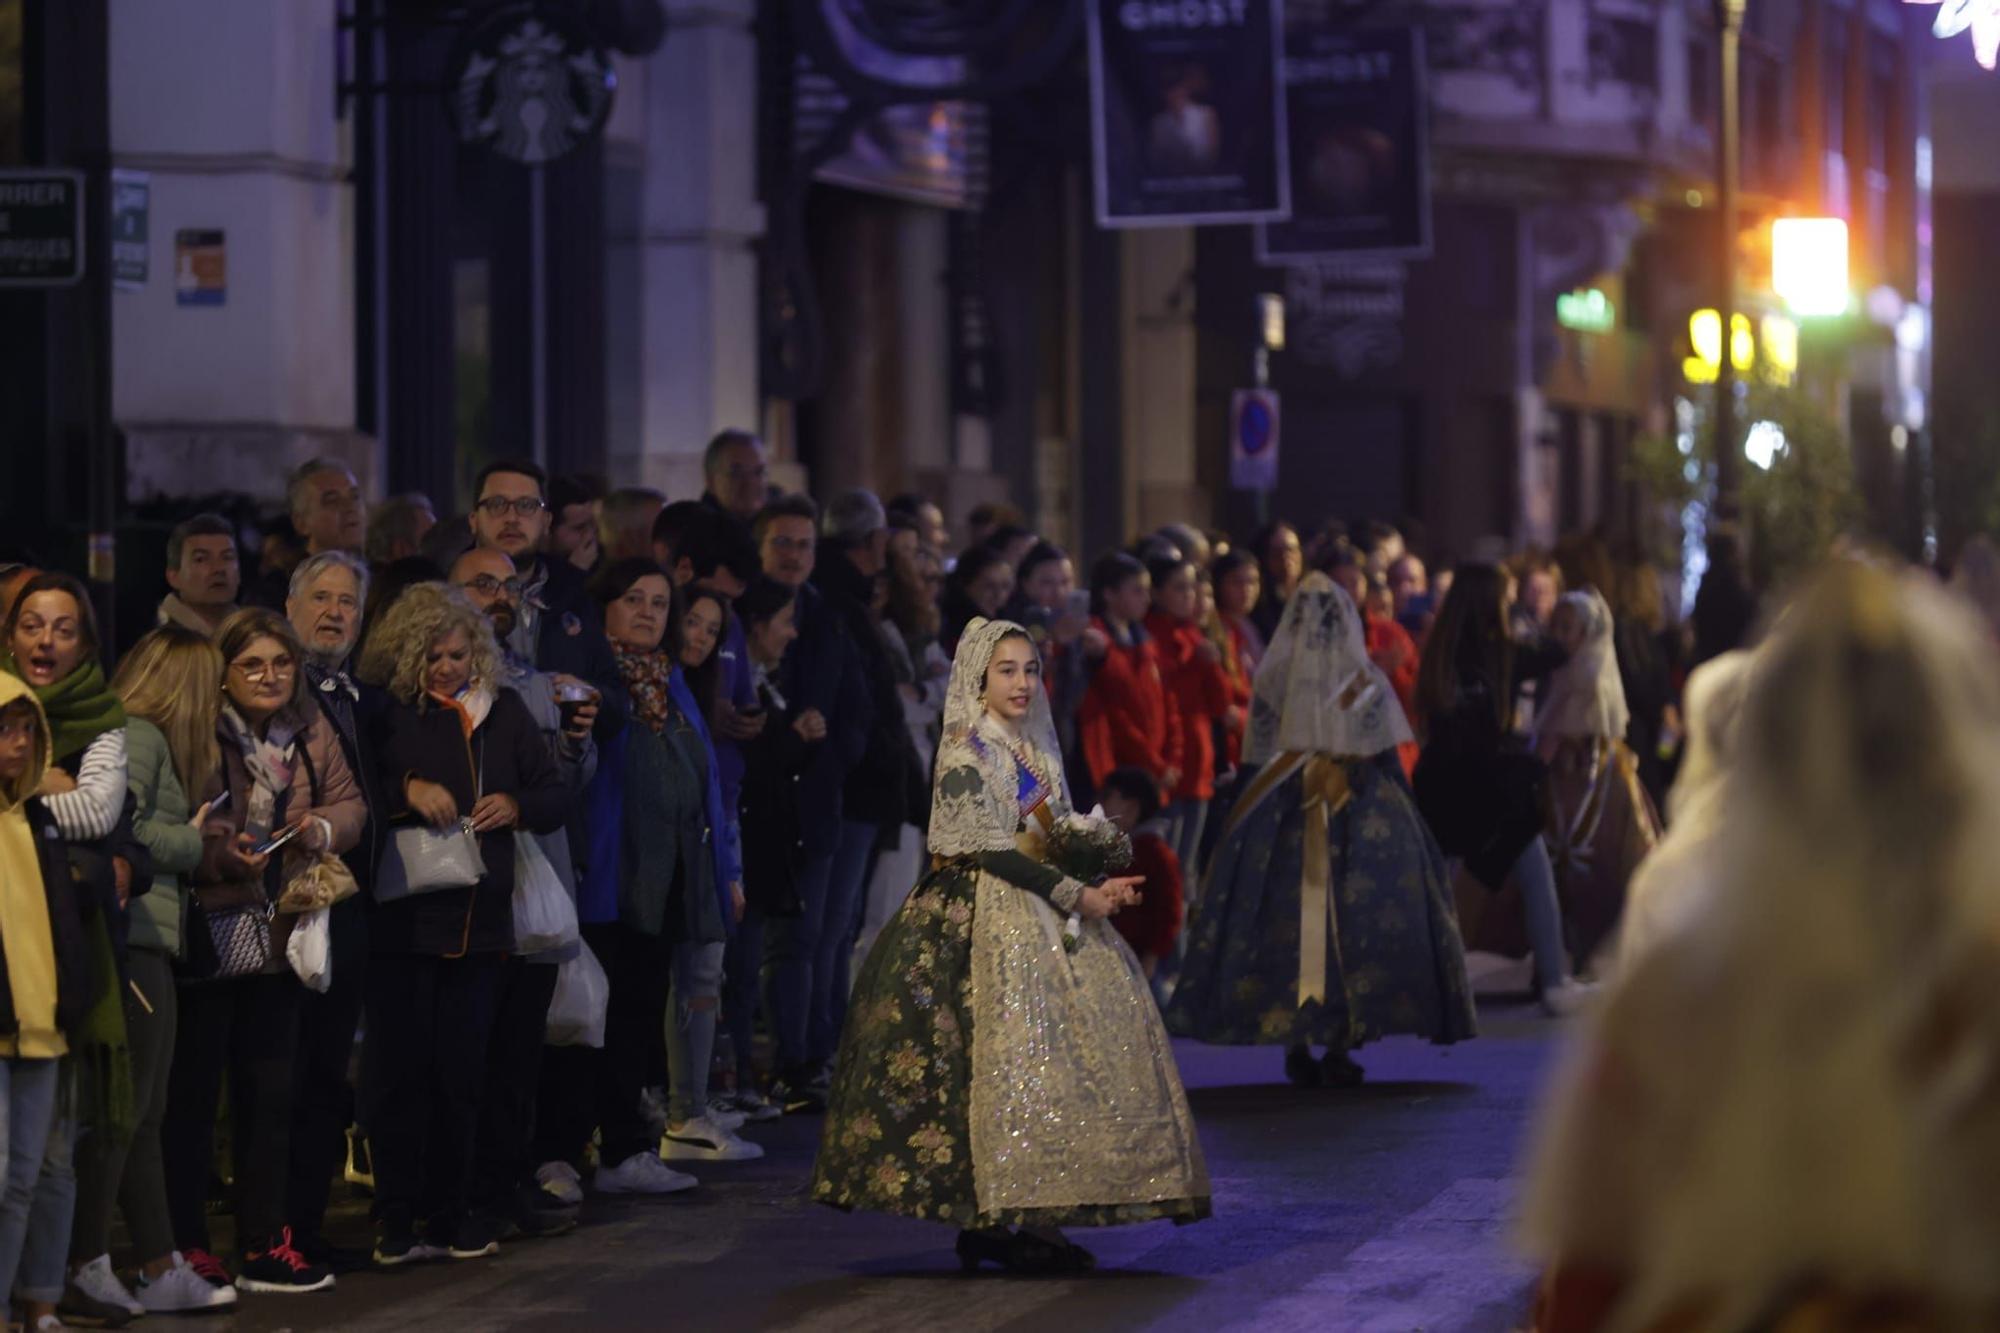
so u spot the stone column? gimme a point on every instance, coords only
(229, 105)
(697, 271)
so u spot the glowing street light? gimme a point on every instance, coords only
(1809, 264)
(1705, 336)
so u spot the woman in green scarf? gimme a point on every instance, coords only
(52, 646)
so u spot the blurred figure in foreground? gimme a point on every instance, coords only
(1830, 1165)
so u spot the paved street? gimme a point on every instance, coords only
(1383, 1208)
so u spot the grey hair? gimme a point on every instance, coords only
(310, 568)
(295, 485)
(852, 517)
(394, 520)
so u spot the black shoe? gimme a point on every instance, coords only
(1301, 1068)
(798, 1096)
(536, 1216)
(396, 1244)
(277, 1266)
(80, 1309)
(1019, 1252)
(474, 1236)
(1338, 1070)
(340, 1258)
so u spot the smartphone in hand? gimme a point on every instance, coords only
(276, 840)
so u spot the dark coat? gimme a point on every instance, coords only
(768, 807)
(73, 985)
(878, 787)
(506, 754)
(822, 670)
(570, 639)
(1480, 790)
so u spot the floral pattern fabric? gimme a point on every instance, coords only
(1398, 966)
(897, 1137)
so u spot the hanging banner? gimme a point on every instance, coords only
(1187, 112)
(926, 152)
(1359, 148)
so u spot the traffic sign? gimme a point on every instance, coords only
(41, 227)
(1253, 440)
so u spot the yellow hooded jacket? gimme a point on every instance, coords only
(42, 967)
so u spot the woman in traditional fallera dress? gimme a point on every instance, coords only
(1327, 919)
(992, 1076)
(1601, 821)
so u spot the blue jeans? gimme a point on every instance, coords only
(845, 893)
(1186, 819)
(790, 947)
(807, 956)
(691, 1028)
(45, 1256)
(1544, 915)
(741, 959)
(27, 1114)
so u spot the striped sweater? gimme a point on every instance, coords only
(91, 811)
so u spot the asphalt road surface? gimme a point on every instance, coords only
(1379, 1210)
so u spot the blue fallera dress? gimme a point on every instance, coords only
(1388, 960)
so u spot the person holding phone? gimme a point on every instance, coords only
(282, 767)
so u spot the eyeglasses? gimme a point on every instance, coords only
(488, 586)
(496, 506)
(283, 668)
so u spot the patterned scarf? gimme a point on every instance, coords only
(649, 678)
(269, 759)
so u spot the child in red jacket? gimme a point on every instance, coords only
(1128, 716)
(1191, 668)
(1132, 802)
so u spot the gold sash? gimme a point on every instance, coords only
(1326, 791)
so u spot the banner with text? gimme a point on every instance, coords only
(1187, 112)
(1359, 159)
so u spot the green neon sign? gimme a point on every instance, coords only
(1587, 310)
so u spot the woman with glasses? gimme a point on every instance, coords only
(281, 771)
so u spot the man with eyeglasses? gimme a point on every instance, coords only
(326, 596)
(738, 476)
(504, 1184)
(558, 626)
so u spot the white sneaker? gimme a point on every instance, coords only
(723, 1113)
(642, 1173)
(756, 1107)
(1567, 997)
(702, 1140)
(560, 1182)
(181, 1290)
(96, 1280)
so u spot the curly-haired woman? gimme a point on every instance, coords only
(452, 745)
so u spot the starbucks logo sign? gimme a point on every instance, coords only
(530, 82)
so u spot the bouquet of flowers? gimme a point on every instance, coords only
(1087, 848)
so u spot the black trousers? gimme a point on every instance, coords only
(583, 1088)
(501, 1162)
(429, 1023)
(246, 1028)
(322, 1097)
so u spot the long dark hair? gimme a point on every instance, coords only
(705, 681)
(1469, 643)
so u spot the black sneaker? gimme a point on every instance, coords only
(473, 1236)
(396, 1244)
(324, 1253)
(277, 1266)
(798, 1095)
(537, 1216)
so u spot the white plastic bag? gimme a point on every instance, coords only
(576, 1013)
(310, 950)
(544, 914)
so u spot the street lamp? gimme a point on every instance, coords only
(1728, 469)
